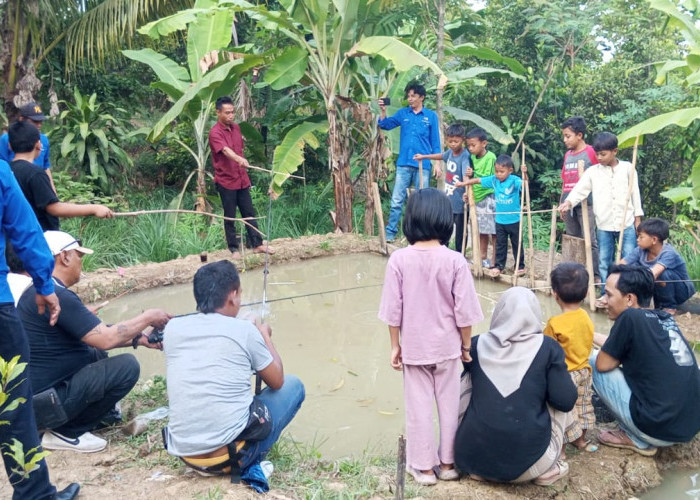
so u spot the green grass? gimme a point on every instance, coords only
(689, 249)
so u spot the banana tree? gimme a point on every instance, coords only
(689, 68)
(194, 89)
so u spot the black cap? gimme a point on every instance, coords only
(32, 111)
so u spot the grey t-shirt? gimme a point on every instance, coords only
(209, 361)
(455, 171)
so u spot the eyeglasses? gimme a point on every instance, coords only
(79, 242)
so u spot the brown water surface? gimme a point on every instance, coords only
(324, 318)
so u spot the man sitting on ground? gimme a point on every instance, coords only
(69, 357)
(645, 371)
(209, 357)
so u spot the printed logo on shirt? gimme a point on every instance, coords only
(679, 349)
(509, 191)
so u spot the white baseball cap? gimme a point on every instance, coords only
(60, 241)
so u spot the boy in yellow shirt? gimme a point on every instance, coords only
(573, 329)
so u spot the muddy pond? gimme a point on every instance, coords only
(324, 318)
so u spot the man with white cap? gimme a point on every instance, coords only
(32, 113)
(69, 359)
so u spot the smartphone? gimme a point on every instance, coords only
(386, 100)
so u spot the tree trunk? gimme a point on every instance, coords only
(340, 170)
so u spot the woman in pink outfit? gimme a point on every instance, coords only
(430, 305)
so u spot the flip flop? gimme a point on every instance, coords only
(559, 470)
(587, 446)
(621, 440)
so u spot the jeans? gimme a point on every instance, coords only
(20, 423)
(90, 394)
(405, 176)
(616, 394)
(232, 199)
(283, 405)
(671, 295)
(607, 243)
(503, 233)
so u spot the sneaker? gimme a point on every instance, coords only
(85, 443)
(267, 468)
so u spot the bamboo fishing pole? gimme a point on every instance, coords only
(530, 260)
(244, 220)
(587, 243)
(630, 185)
(464, 232)
(552, 244)
(476, 244)
(520, 229)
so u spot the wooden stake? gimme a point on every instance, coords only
(476, 246)
(630, 185)
(420, 174)
(380, 217)
(520, 229)
(587, 243)
(552, 245)
(464, 232)
(531, 259)
(401, 469)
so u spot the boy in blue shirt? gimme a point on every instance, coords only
(506, 186)
(672, 284)
(457, 161)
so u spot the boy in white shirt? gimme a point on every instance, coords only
(608, 181)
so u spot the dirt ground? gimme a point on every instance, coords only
(147, 472)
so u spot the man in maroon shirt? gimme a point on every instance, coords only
(231, 177)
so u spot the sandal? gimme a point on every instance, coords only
(420, 478)
(446, 474)
(619, 439)
(494, 272)
(587, 446)
(520, 272)
(559, 470)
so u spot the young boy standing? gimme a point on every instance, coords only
(672, 284)
(607, 181)
(456, 160)
(573, 329)
(483, 163)
(506, 186)
(573, 129)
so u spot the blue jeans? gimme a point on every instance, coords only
(607, 243)
(283, 405)
(20, 423)
(405, 176)
(616, 394)
(671, 295)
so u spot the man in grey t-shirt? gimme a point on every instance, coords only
(209, 359)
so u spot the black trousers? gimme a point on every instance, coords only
(504, 232)
(240, 199)
(90, 394)
(459, 230)
(21, 424)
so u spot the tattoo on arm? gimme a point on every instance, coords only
(122, 331)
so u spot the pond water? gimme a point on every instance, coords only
(324, 318)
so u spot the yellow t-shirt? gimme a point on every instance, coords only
(574, 332)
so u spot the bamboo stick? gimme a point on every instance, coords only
(552, 245)
(476, 247)
(276, 173)
(420, 174)
(520, 228)
(464, 232)
(401, 469)
(588, 245)
(531, 259)
(244, 220)
(380, 217)
(630, 185)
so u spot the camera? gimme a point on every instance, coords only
(155, 336)
(386, 100)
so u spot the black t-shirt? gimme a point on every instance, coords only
(500, 438)
(661, 371)
(57, 352)
(37, 188)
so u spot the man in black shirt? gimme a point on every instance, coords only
(645, 372)
(70, 356)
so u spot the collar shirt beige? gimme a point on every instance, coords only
(609, 186)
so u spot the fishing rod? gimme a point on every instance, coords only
(266, 271)
(292, 297)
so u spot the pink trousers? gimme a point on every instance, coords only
(424, 385)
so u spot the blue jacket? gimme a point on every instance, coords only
(420, 133)
(19, 224)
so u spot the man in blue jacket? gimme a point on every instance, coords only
(19, 225)
(420, 134)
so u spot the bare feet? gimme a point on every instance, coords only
(264, 249)
(520, 272)
(494, 272)
(236, 255)
(619, 439)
